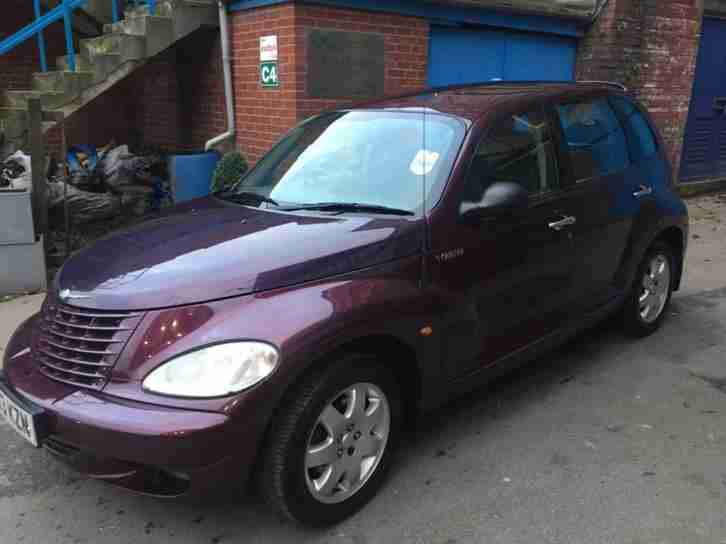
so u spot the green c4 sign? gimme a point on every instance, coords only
(268, 74)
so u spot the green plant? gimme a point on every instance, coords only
(228, 171)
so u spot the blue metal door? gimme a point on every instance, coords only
(459, 56)
(704, 146)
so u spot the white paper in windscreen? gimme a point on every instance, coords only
(424, 162)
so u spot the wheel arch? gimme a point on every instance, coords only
(406, 370)
(675, 238)
(675, 235)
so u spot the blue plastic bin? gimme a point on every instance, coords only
(190, 174)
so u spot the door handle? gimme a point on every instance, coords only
(644, 190)
(562, 223)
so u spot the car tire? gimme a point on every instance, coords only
(652, 288)
(322, 408)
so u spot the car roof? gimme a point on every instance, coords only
(473, 101)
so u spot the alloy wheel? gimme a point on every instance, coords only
(347, 443)
(655, 288)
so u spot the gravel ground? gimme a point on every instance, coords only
(607, 440)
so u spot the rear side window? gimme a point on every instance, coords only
(594, 138)
(641, 139)
(519, 149)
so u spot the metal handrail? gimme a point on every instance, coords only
(62, 11)
(599, 82)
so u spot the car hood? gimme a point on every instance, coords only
(209, 249)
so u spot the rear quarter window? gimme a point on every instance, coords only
(594, 138)
(641, 140)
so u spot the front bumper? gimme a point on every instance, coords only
(144, 447)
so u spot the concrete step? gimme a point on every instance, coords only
(13, 122)
(139, 26)
(13, 113)
(101, 66)
(158, 31)
(129, 47)
(48, 100)
(188, 15)
(163, 9)
(71, 83)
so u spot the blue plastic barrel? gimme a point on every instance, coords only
(190, 174)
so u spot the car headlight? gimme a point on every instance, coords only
(214, 371)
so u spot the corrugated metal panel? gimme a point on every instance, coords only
(459, 56)
(704, 143)
(582, 9)
(715, 7)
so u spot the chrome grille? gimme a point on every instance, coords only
(80, 347)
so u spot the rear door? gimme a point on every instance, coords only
(601, 187)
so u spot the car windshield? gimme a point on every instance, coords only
(367, 160)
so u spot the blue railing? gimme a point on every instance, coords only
(63, 11)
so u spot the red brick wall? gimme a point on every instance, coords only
(201, 86)
(651, 46)
(263, 115)
(157, 103)
(406, 48)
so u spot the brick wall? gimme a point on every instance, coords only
(201, 91)
(263, 115)
(406, 48)
(651, 46)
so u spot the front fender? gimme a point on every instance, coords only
(305, 322)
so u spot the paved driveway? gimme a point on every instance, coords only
(606, 440)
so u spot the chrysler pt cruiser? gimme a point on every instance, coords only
(376, 262)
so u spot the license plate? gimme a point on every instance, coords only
(19, 419)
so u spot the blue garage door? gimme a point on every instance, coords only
(704, 147)
(459, 56)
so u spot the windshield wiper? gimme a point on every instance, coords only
(348, 207)
(246, 198)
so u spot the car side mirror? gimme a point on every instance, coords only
(501, 198)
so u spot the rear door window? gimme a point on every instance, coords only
(519, 149)
(641, 139)
(594, 139)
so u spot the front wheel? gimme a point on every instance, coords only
(645, 308)
(331, 445)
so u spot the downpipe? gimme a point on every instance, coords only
(227, 67)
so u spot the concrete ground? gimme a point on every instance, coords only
(608, 440)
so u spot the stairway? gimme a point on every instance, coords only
(102, 62)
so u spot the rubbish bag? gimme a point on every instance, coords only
(82, 157)
(136, 199)
(112, 166)
(16, 172)
(84, 206)
(83, 167)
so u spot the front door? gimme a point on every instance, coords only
(507, 279)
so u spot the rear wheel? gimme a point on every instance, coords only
(645, 308)
(331, 445)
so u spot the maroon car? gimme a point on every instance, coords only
(376, 262)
